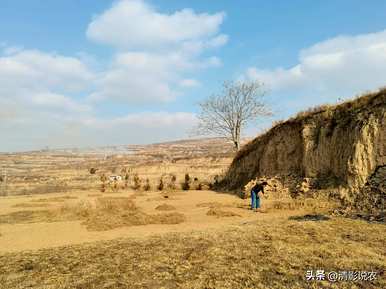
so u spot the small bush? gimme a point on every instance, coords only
(147, 186)
(172, 182)
(137, 182)
(161, 184)
(103, 178)
(127, 179)
(93, 171)
(199, 187)
(115, 186)
(103, 183)
(186, 184)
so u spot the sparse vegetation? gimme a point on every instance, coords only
(103, 179)
(216, 212)
(165, 207)
(160, 186)
(257, 255)
(147, 186)
(186, 184)
(108, 213)
(172, 182)
(93, 171)
(127, 179)
(137, 182)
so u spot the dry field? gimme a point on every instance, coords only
(80, 237)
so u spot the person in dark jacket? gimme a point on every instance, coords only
(255, 199)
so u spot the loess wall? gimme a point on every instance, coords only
(338, 147)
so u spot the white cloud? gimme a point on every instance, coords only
(338, 67)
(140, 77)
(157, 50)
(33, 70)
(133, 24)
(218, 41)
(54, 101)
(188, 82)
(33, 82)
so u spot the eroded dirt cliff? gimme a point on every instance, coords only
(340, 148)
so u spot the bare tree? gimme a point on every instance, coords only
(229, 112)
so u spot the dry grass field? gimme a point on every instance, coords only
(62, 227)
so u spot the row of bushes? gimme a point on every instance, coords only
(166, 182)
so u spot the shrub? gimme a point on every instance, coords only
(199, 187)
(186, 184)
(93, 171)
(161, 184)
(147, 187)
(137, 182)
(172, 182)
(115, 186)
(127, 179)
(103, 185)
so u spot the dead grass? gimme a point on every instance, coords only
(94, 195)
(107, 213)
(55, 199)
(259, 255)
(308, 204)
(111, 213)
(209, 205)
(31, 205)
(214, 205)
(221, 213)
(165, 207)
(35, 216)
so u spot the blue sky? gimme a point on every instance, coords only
(90, 73)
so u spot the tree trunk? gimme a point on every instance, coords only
(236, 144)
(236, 139)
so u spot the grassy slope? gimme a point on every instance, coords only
(273, 254)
